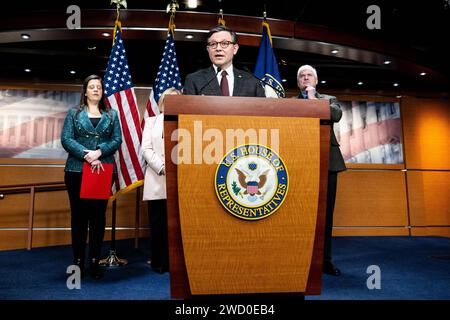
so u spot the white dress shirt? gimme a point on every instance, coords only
(230, 77)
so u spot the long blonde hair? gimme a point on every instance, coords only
(169, 91)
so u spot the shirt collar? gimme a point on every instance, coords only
(229, 70)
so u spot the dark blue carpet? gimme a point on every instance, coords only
(411, 268)
(41, 274)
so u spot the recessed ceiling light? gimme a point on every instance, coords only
(106, 34)
(27, 70)
(72, 71)
(395, 84)
(92, 48)
(192, 4)
(334, 51)
(387, 61)
(360, 83)
(189, 36)
(323, 81)
(423, 73)
(398, 97)
(283, 80)
(25, 36)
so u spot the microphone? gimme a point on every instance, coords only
(262, 81)
(210, 80)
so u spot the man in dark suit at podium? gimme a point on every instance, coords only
(222, 79)
(307, 81)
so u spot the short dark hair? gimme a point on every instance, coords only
(220, 28)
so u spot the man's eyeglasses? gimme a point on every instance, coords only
(223, 44)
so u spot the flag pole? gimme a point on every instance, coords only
(112, 260)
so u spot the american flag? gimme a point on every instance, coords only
(168, 76)
(120, 96)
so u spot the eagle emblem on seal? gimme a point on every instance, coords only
(252, 181)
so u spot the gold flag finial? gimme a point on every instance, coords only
(118, 4)
(221, 21)
(265, 23)
(117, 24)
(172, 8)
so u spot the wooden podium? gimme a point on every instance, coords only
(211, 251)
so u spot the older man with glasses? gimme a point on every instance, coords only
(307, 81)
(222, 78)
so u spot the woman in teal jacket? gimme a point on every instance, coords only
(91, 134)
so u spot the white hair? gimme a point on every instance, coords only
(307, 67)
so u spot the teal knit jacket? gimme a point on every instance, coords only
(78, 134)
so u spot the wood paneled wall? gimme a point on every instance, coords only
(371, 202)
(426, 131)
(426, 124)
(52, 213)
(371, 199)
(377, 200)
(429, 202)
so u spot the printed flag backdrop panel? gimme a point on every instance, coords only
(31, 122)
(370, 132)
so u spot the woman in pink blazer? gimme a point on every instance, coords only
(155, 185)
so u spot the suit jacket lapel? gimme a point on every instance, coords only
(237, 82)
(103, 123)
(159, 124)
(214, 84)
(83, 119)
(87, 124)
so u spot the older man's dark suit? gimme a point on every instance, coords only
(335, 165)
(245, 85)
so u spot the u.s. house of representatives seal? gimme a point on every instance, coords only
(251, 182)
